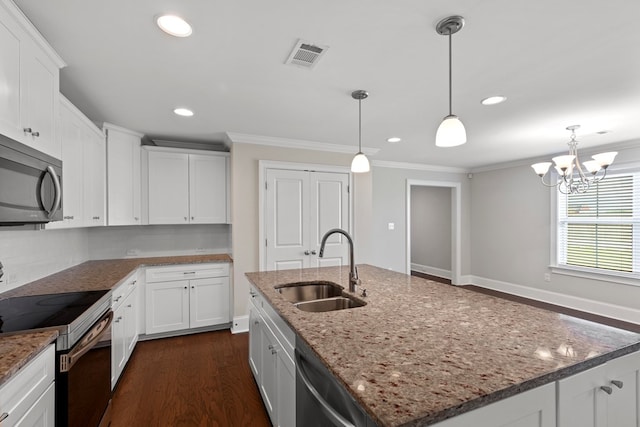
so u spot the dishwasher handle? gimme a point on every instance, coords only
(87, 342)
(329, 411)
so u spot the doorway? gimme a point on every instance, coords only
(433, 243)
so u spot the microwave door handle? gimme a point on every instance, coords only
(56, 184)
(86, 344)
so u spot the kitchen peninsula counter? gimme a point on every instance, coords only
(421, 351)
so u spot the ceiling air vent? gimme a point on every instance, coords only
(305, 54)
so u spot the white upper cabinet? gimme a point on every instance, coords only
(123, 176)
(185, 188)
(83, 169)
(29, 73)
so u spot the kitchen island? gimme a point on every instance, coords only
(420, 352)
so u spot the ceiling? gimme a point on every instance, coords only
(559, 63)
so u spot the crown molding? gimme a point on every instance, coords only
(243, 138)
(417, 166)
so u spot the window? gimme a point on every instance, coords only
(599, 230)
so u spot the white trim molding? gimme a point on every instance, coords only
(417, 166)
(240, 324)
(433, 271)
(243, 138)
(577, 303)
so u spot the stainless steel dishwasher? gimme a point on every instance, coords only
(321, 401)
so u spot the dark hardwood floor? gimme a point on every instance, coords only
(193, 380)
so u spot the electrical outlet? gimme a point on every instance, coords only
(392, 226)
(547, 277)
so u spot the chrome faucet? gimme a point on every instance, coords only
(354, 281)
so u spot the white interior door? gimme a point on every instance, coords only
(287, 219)
(329, 208)
(300, 206)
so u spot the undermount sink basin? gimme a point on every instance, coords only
(328, 304)
(317, 297)
(309, 291)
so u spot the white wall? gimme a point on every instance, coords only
(158, 240)
(389, 205)
(431, 228)
(245, 208)
(510, 243)
(28, 255)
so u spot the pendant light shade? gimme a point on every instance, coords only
(360, 163)
(451, 131)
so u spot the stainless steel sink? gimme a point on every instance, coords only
(317, 296)
(329, 304)
(309, 291)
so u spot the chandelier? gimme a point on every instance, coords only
(571, 178)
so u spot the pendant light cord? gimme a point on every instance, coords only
(359, 125)
(450, 75)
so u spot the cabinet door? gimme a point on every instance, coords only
(118, 346)
(95, 176)
(40, 99)
(10, 121)
(209, 302)
(168, 188)
(207, 189)
(123, 177)
(255, 336)
(623, 404)
(581, 401)
(42, 413)
(286, 408)
(130, 322)
(167, 306)
(269, 372)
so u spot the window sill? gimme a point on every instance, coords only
(625, 279)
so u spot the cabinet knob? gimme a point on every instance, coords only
(617, 383)
(313, 252)
(306, 252)
(192, 218)
(255, 322)
(185, 218)
(606, 389)
(185, 287)
(36, 134)
(135, 218)
(193, 287)
(26, 130)
(129, 306)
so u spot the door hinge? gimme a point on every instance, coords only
(265, 243)
(266, 187)
(348, 189)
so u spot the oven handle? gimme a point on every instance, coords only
(87, 342)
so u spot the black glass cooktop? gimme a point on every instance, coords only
(43, 311)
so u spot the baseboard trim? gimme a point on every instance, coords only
(240, 324)
(433, 271)
(577, 303)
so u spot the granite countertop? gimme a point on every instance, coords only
(16, 349)
(421, 351)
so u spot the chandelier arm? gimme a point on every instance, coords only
(550, 184)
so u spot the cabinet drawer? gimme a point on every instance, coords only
(25, 388)
(186, 272)
(123, 290)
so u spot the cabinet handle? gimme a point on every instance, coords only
(68, 217)
(96, 217)
(117, 299)
(36, 134)
(313, 252)
(129, 306)
(306, 252)
(617, 383)
(189, 272)
(118, 319)
(4, 416)
(26, 130)
(270, 347)
(134, 283)
(606, 389)
(255, 322)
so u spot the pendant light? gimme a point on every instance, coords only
(360, 163)
(451, 131)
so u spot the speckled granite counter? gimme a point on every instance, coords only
(421, 351)
(16, 349)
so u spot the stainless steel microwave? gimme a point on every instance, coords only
(30, 185)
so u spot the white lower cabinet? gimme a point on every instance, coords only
(271, 359)
(605, 396)
(28, 398)
(199, 299)
(124, 328)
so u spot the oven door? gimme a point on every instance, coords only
(83, 379)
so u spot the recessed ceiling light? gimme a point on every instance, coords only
(394, 139)
(183, 112)
(493, 100)
(174, 25)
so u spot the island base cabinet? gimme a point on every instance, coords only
(605, 396)
(42, 413)
(532, 408)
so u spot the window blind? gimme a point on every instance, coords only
(600, 229)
